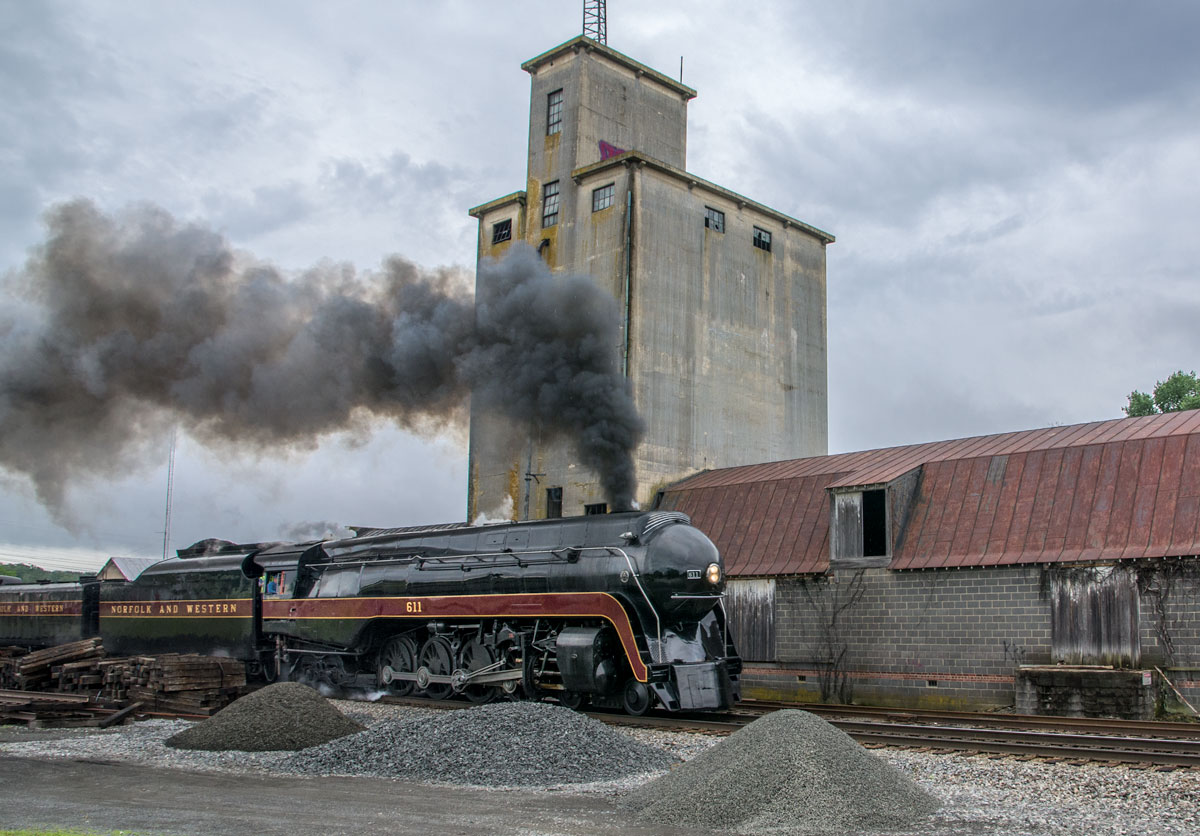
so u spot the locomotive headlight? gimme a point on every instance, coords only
(714, 573)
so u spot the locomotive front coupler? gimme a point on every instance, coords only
(698, 686)
(658, 673)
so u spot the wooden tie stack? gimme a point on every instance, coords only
(43, 709)
(115, 678)
(8, 665)
(184, 684)
(42, 669)
(79, 674)
(83, 677)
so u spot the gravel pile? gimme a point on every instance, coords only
(508, 744)
(787, 772)
(980, 795)
(284, 716)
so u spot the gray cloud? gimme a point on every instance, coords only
(136, 322)
(1074, 54)
(266, 209)
(1012, 188)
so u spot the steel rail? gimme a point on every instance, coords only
(669, 722)
(1043, 744)
(1092, 747)
(1105, 748)
(1100, 725)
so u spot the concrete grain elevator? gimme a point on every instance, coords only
(724, 325)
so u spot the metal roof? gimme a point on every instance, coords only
(125, 568)
(1108, 490)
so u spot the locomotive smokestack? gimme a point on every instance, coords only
(127, 325)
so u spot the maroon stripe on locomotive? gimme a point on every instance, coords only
(531, 605)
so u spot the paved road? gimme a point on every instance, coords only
(104, 796)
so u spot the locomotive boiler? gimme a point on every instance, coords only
(619, 610)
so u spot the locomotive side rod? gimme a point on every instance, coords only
(423, 676)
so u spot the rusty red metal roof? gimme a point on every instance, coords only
(1110, 490)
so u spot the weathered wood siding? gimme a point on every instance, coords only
(1094, 612)
(750, 606)
(847, 525)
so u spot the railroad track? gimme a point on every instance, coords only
(916, 716)
(1149, 743)
(1062, 738)
(1156, 751)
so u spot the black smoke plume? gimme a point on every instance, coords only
(122, 326)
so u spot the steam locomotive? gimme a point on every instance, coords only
(618, 610)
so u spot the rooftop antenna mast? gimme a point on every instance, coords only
(595, 21)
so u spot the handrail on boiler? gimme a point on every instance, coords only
(656, 651)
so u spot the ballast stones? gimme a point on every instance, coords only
(284, 716)
(503, 744)
(787, 772)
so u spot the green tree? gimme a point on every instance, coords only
(1178, 392)
(27, 572)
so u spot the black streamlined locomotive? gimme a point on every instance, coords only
(619, 610)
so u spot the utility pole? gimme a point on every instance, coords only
(170, 487)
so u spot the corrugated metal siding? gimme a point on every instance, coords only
(1116, 501)
(1111, 490)
(792, 532)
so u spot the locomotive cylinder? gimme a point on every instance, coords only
(585, 660)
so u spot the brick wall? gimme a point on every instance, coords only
(944, 638)
(1170, 623)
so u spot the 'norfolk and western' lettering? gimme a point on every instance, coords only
(227, 608)
(40, 608)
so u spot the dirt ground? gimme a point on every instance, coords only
(106, 796)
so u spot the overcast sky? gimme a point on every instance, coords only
(1014, 188)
